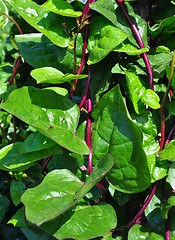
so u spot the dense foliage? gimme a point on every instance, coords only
(87, 119)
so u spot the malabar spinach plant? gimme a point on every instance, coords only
(87, 119)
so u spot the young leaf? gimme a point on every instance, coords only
(53, 76)
(54, 115)
(167, 205)
(103, 38)
(16, 190)
(43, 20)
(116, 134)
(52, 197)
(61, 7)
(139, 94)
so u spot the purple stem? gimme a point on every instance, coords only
(140, 41)
(85, 13)
(83, 59)
(86, 88)
(139, 214)
(170, 135)
(88, 133)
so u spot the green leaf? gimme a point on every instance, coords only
(54, 115)
(43, 20)
(129, 48)
(3, 18)
(16, 190)
(52, 197)
(140, 232)
(171, 175)
(168, 153)
(136, 90)
(61, 7)
(157, 170)
(116, 134)
(147, 123)
(150, 98)
(85, 222)
(12, 157)
(139, 94)
(4, 204)
(43, 50)
(53, 76)
(18, 220)
(113, 13)
(167, 205)
(103, 38)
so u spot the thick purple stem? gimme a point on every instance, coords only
(88, 133)
(139, 214)
(87, 9)
(140, 41)
(86, 88)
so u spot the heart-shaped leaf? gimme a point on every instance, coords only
(116, 134)
(53, 76)
(54, 115)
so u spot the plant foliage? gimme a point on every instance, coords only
(87, 119)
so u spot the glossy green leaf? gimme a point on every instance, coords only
(40, 47)
(4, 204)
(129, 48)
(150, 98)
(167, 205)
(99, 171)
(168, 153)
(53, 115)
(158, 171)
(12, 157)
(113, 13)
(171, 175)
(3, 88)
(103, 38)
(53, 76)
(18, 220)
(136, 90)
(140, 232)
(139, 94)
(3, 18)
(42, 20)
(116, 134)
(52, 197)
(16, 190)
(148, 125)
(85, 222)
(61, 7)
